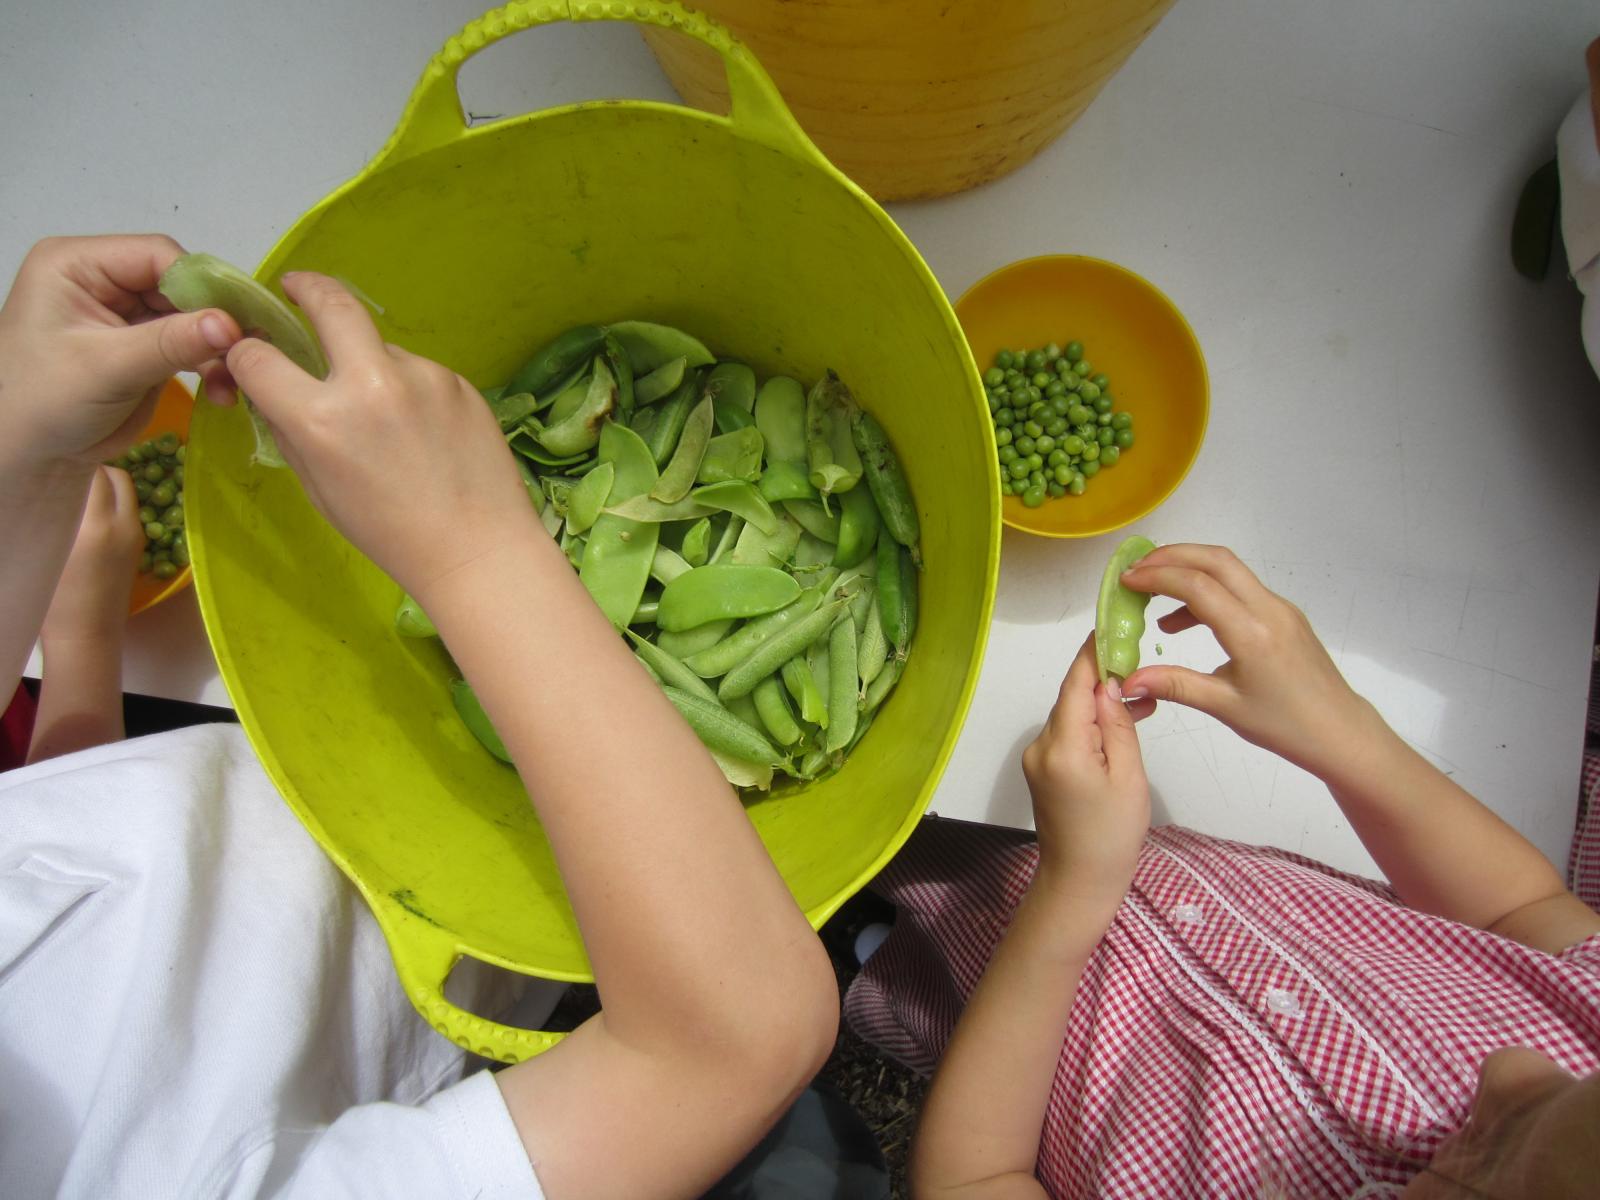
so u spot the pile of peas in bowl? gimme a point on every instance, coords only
(1055, 422)
(157, 470)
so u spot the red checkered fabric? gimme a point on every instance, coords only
(1252, 1023)
(1583, 864)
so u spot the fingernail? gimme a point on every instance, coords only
(215, 332)
(1136, 693)
(1113, 688)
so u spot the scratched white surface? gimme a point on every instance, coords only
(1403, 434)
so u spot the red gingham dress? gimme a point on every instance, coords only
(1253, 1023)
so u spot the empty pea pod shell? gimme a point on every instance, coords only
(663, 381)
(588, 496)
(802, 686)
(692, 641)
(556, 359)
(649, 346)
(734, 384)
(679, 475)
(476, 720)
(696, 548)
(780, 415)
(410, 621)
(581, 430)
(732, 456)
(758, 549)
(784, 480)
(723, 591)
(742, 774)
(816, 520)
(1119, 612)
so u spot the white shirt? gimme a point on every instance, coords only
(195, 1003)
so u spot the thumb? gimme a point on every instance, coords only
(1192, 689)
(146, 354)
(1118, 737)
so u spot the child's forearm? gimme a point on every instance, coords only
(1444, 852)
(980, 1128)
(42, 505)
(80, 704)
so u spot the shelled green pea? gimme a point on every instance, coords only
(156, 467)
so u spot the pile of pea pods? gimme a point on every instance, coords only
(758, 546)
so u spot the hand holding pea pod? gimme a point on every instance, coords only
(1091, 801)
(1279, 688)
(400, 453)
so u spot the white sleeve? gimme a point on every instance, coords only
(459, 1143)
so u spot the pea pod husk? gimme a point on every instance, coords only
(830, 449)
(666, 421)
(513, 410)
(1119, 612)
(670, 670)
(410, 621)
(619, 552)
(621, 371)
(679, 475)
(581, 430)
(587, 496)
(758, 549)
(556, 359)
(734, 649)
(872, 648)
(732, 383)
(690, 642)
(897, 594)
(730, 417)
(696, 548)
(476, 720)
(198, 281)
(858, 527)
(780, 415)
(786, 481)
(742, 774)
(802, 686)
(663, 381)
(878, 690)
(715, 593)
(843, 696)
(650, 346)
(770, 655)
(816, 520)
(732, 456)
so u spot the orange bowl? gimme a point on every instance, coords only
(173, 407)
(1129, 331)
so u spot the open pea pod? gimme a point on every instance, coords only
(733, 384)
(476, 720)
(780, 415)
(619, 552)
(830, 448)
(723, 591)
(649, 346)
(679, 475)
(581, 430)
(741, 499)
(1119, 612)
(732, 456)
(556, 359)
(663, 381)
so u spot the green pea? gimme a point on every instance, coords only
(165, 570)
(135, 455)
(1043, 443)
(1101, 382)
(155, 530)
(145, 563)
(1075, 488)
(1106, 436)
(1034, 496)
(160, 555)
(1064, 369)
(1074, 351)
(173, 517)
(1124, 439)
(177, 472)
(1052, 352)
(1002, 437)
(180, 552)
(1008, 454)
(1079, 415)
(1122, 420)
(1082, 368)
(1073, 445)
(1006, 488)
(1056, 457)
(1036, 478)
(1035, 360)
(1103, 405)
(1089, 392)
(147, 515)
(1036, 462)
(1004, 416)
(1038, 411)
(142, 489)
(155, 472)
(181, 453)
(1056, 426)
(1060, 407)
(1063, 474)
(1090, 468)
(1054, 389)
(994, 377)
(1013, 378)
(1055, 490)
(1003, 361)
(1032, 428)
(1091, 451)
(1024, 444)
(163, 494)
(1041, 379)
(1103, 419)
(1109, 456)
(1018, 469)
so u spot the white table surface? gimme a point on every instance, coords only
(1404, 433)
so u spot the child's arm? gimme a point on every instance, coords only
(1442, 850)
(719, 1003)
(84, 340)
(979, 1135)
(81, 704)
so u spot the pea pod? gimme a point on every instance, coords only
(588, 496)
(645, 614)
(410, 621)
(1119, 612)
(872, 648)
(197, 281)
(730, 417)
(858, 527)
(476, 720)
(619, 553)
(743, 774)
(758, 549)
(774, 712)
(816, 520)
(733, 383)
(780, 414)
(690, 642)
(530, 484)
(668, 565)
(663, 381)
(736, 497)
(802, 686)
(721, 731)
(524, 445)
(887, 481)
(649, 346)
(734, 649)
(512, 411)
(878, 690)
(771, 654)
(664, 429)
(679, 475)
(784, 480)
(622, 371)
(729, 537)
(897, 586)
(814, 764)
(556, 359)
(732, 456)
(811, 554)
(581, 430)
(843, 697)
(696, 549)
(716, 593)
(830, 450)
(670, 670)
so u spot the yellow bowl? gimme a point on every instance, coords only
(1132, 333)
(171, 415)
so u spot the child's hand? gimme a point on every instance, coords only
(85, 341)
(1091, 802)
(1279, 688)
(91, 599)
(400, 453)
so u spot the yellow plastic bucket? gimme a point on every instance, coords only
(478, 244)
